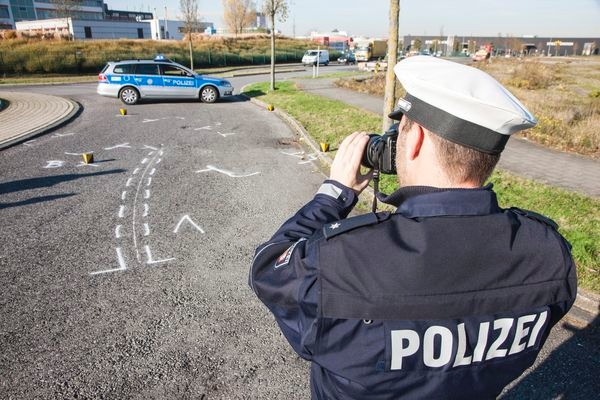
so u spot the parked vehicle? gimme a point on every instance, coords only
(347, 58)
(376, 66)
(134, 80)
(311, 57)
(370, 49)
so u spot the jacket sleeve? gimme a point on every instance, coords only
(285, 269)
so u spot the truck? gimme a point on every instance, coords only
(370, 49)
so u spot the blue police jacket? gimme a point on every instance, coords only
(450, 297)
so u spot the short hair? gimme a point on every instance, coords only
(462, 163)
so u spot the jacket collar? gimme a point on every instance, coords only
(427, 201)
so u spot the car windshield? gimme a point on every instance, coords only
(311, 53)
(362, 48)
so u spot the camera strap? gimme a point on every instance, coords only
(375, 189)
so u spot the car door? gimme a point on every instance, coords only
(148, 80)
(177, 81)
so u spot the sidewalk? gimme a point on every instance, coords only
(564, 170)
(31, 114)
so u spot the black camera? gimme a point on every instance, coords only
(380, 153)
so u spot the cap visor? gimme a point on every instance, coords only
(396, 114)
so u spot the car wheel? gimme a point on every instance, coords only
(129, 95)
(327, 63)
(209, 94)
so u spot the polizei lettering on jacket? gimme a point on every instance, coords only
(464, 343)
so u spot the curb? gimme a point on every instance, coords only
(266, 73)
(586, 308)
(74, 113)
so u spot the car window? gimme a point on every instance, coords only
(172, 70)
(124, 69)
(146, 69)
(105, 68)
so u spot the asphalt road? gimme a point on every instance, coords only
(128, 278)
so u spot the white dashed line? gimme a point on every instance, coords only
(144, 161)
(149, 182)
(121, 211)
(146, 210)
(118, 231)
(128, 183)
(124, 195)
(135, 171)
(153, 171)
(146, 229)
(147, 194)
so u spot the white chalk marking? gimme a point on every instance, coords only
(205, 128)
(218, 124)
(152, 171)
(180, 117)
(188, 219)
(147, 194)
(78, 154)
(124, 194)
(28, 143)
(298, 154)
(135, 171)
(160, 153)
(128, 183)
(120, 259)
(149, 181)
(311, 158)
(149, 120)
(150, 147)
(149, 154)
(226, 172)
(64, 134)
(158, 161)
(146, 229)
(119, 146)
(226, 134)
(150, 261)
(55, 164)
(121, 211)
(118, 231)
(144, 161)
(146, 210)
(82, 164)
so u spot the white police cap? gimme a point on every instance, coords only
(460, 103)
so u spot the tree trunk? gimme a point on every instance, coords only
(392, 54)
(272, 51)
(191, 53)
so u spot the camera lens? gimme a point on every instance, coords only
(373, 151)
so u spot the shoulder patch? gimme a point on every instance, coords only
(536, 216)
(335, 228)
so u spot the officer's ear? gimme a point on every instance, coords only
(414, 141)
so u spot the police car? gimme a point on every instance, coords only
(162, 78)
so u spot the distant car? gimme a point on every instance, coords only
(347, 58)
(160, 78)
(311, 56)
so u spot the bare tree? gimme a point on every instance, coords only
(238, 14)
(190, 18)
(65, 8)
(279, 9)
(390, 79)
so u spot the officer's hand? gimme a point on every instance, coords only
(346, 166)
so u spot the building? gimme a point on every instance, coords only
(12, 11)
(161, 29)
(502, 45)
(87, 28)
(336, 40)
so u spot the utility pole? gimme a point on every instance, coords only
(392, 54)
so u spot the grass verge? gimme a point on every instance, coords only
(47, 79)
(578, 216)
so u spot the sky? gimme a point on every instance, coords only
(555, 18)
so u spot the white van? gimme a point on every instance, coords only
(310, 57)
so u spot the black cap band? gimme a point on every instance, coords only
(451, 127)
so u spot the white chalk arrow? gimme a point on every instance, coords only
(188, 219)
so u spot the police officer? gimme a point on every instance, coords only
(449, 297)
